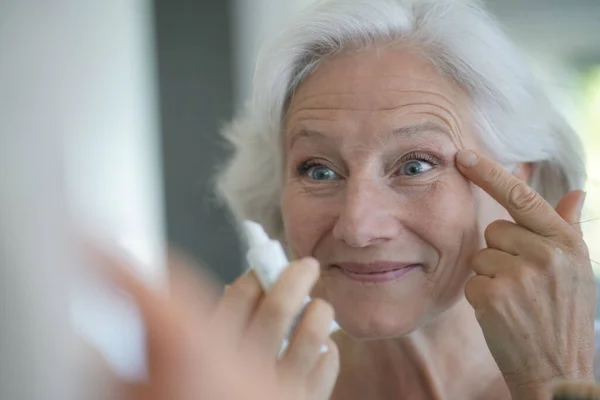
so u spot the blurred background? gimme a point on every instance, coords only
(206, 54)
(110, 114)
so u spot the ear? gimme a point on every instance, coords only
(523, 171)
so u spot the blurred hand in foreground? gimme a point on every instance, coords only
(189, 331)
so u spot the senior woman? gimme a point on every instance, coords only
(408, 149)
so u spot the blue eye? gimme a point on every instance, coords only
(321, 173)
(415, 167)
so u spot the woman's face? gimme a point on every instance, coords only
(371, 189)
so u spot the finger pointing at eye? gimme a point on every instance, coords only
(524, 204)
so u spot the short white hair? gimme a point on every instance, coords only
(514, 118)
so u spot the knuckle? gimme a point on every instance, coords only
(494, 230)
(522, 197)
(476, 258)
(494, 174)
(572, 251)
(495, 294)
(552, 257)
(475, 290)
(480, 258)
(576, 245)
(485, 295)
(523, 273)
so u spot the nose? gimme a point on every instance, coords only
(369, 215)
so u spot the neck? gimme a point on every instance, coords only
(446, 359)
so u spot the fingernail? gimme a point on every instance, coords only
(467, 158)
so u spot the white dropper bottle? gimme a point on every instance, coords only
(267, 258)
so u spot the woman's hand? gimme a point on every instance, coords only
(534, 294)
(255, 323)
(196, 351)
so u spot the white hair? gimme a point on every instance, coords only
(514, 118)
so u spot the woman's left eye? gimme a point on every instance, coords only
(415, 167)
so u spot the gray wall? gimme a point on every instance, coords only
(196, 97)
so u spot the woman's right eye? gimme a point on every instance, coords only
(318, 172)
(321, 173)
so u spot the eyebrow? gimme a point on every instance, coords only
(408, 131)
(306, 134)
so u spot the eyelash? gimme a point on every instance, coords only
(303, 168)
(416, 156)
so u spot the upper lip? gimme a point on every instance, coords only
(373, 267)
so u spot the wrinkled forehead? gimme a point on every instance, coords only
(373, 79)
(385, 86)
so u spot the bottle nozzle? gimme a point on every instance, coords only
(255, 234)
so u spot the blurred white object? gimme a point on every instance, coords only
(79, 147)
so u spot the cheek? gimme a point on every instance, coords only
(448, 203)
(447, 221)
(306, 219)
(446, 217)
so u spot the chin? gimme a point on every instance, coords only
(365, 322)
(376, 332)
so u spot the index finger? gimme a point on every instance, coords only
(527, 207)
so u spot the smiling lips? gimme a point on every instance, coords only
(377, 272)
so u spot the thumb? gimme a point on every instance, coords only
(570, 207)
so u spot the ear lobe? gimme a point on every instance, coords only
(523, 171)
